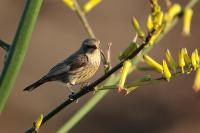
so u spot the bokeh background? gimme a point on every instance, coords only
(160, 108)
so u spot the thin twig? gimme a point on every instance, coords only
(148, 82)
(109, 53)
(4, 45)
(82, 17)
(107, 60)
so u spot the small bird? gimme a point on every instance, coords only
(77, 68)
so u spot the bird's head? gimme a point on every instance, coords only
(90, 45)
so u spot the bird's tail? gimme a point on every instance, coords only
(35, 85)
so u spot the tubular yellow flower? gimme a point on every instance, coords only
(137, 28)
(126, 67)
(90, 5)
(155, 6)
(197, 56)
(157, 14)
(181, 61)
(155, 36)
(149, 23)
(186, 56)
(38, 123)
(70, 4)
(158, 20)
(153, 63)
(171, 60)
(194, 62)
(196, 85)
(154, 2)
(172, 12)
(166, 72)
(187, 21)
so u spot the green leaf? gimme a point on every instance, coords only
(140, 81)
(128, 51)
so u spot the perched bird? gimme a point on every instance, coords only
(77, 68)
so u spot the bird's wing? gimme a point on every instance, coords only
(71, 65)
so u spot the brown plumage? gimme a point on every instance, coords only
(76, 69)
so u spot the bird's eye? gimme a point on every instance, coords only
(91, 46)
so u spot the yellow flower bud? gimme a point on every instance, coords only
(172, 12)
(154, 2)
(158, 20)
(38, 123)
(70, 4)
(126, 67)
(150, 23)
(137, 28)
(186, 56)
(197, 56)
(166, 71)
(153, 63)
(187, 17)
(90, 5)
(155, 6)
(181, 61)
(196, 85)
(194, 62)
(155, 36)
(171, 60)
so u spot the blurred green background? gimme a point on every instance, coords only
(160, 108)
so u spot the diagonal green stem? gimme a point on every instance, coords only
(87, 107)
(18, 49)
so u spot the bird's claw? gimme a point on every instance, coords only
(71, 96)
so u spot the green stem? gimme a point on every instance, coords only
(4, 45)
(82, 112)
(83, 19)
(191, 3)
(18, 49)
(87, 107)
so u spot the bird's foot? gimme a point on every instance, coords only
(84, 84)
(71, 96)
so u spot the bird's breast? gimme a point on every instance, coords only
(91, 68)
(94, 59)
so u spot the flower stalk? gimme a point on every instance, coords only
(17, 50)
